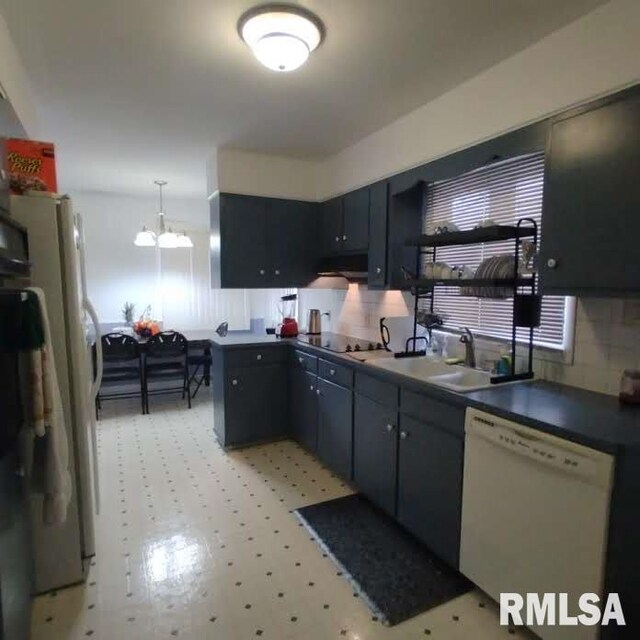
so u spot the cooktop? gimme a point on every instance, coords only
(339, 343)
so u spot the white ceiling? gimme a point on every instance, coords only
(134, 90)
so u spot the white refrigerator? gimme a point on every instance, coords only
(56, 251)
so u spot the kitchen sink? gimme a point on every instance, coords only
(420, 368)
(461, 381)
(435, 371)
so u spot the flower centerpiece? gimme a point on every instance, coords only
(146, 327)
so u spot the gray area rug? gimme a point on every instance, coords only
(393, 572)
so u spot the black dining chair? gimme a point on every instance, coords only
(199, 368)
(121, 365)
(166, 358)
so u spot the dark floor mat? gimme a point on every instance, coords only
(396, 575)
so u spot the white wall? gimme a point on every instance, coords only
(266, 175)
(118, 271)
(592, 56)
(15, 83)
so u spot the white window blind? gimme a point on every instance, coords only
(503, 192)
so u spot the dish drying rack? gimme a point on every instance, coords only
(522, 288)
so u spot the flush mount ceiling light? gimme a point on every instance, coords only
(163, 237)
(281, 36)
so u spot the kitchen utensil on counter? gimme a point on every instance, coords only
(223, 329)
(314, 322)
(395, 331)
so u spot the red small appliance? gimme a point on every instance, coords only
(289, 327)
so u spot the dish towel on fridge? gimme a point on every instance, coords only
(51, 451)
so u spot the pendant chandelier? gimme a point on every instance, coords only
(162, 237)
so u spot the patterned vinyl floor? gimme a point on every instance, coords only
(195, 542)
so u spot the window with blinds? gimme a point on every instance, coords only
(503, 192)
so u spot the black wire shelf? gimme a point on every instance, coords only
(429, 283)
(497, 233)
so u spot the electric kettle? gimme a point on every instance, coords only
(314, 322)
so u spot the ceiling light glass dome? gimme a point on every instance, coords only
(281, 37)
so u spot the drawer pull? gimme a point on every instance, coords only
(234, 382)
(259, 356)
(310, 387)
(390, 428)
(318, 391)
(332, 372)
(300, 359)
(378, 270)
(404, 435)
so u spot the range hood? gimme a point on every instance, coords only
(355, 268)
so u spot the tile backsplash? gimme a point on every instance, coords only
(607, 333)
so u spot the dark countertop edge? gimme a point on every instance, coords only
(460, 399)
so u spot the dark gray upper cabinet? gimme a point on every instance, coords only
(292, 241)
(375, 445)
(355, 235)
(304, 407)
(378, 208)
(430, 466)
(332, 226)
(335, 427)
(262, 242)
(591, 220)
(345, 223)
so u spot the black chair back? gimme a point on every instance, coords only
(117, 347)
(166, 344)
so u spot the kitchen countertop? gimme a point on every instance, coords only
(241, 338)
(593, 419)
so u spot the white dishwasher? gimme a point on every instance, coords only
(535, 512)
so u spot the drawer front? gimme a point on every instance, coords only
(336, 373)
(254, 355)
(426, 409)
(305, 361)
(383, 392)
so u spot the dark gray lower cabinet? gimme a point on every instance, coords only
(375, 445)
(250, 401)
(430, 464)
(15, 555)
(335, 427)
(257, 408)
(304, 408)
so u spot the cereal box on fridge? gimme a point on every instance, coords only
(32, 166)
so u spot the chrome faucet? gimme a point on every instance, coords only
(469, 348)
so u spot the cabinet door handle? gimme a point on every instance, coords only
(318, 392)
(332, 372)
(262, 272)
(404, 435)
(259, 356)
(552, 263)
(300, 359)
(310, 387)
(344, 237)
(234, 382)
(337, 238)
(277, 272)
(390, 428)
(378, 270)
